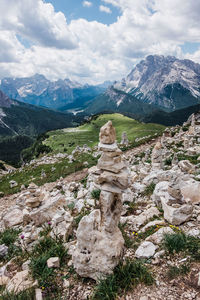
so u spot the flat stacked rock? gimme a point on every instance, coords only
(99, 241)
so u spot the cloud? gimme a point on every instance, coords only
(87, 3)
(105, 9)
(92, 51)
(38, 22)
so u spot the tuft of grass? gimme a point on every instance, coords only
(95, 194)
(180, 242)
(124, 278)
(24, 295)
(175, 242)
(149, 189)
(84, 181)
(47, 247)
(9, 237)
(175, 271)
(128, 242)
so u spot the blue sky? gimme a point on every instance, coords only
(91, 41)
(75, 9)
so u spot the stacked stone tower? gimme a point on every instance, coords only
(99, 241)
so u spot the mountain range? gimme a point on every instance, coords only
(60, 94)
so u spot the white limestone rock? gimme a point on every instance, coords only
(20, 282)
(13, 217)
(146, 250)
(97, 251)
(177, 215)
(53, 262)
(158, 236)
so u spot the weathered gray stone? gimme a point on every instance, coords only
(53, 262)
(146, 250)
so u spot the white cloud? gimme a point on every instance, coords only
(38, 22)
(105, 9)
(87, 3)
(91, 51)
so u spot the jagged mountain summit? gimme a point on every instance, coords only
(40, 91)
(166, 82)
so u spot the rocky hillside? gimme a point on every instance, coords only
(166, 82)
(60, 94)
(152, 191)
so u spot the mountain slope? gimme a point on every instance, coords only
(118, 101)
(38, 90)
(166, 82)
(23, 119)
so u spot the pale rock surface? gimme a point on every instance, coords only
(177, 215)
(190, 190)
(20, 282)
(107, 134)
(4, 280)
(13, 184)
(53, 262)
(3, 250)
(161, 190)
(38, 294)
(13, 217)
(186, 166)
(146, 250)
(137, 221)
(98, 252)
(157, 237)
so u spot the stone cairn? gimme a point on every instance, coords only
(124, 139)
(100, 243)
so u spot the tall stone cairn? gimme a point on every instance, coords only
(100, 243)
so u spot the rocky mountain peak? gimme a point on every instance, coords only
(156, 79)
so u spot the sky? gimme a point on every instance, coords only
(95, 40)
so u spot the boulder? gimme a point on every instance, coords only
(157, 237)
(146, 250)
(13, 217)
(186, 166)
(161, 190)
(97, 252)
(19, 282)
(177, 215)
(53, 262)
(3, 250)
(190, 191)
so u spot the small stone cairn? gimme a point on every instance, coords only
(124, 139)
(100, 243)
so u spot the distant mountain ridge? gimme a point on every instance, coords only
(17, 118)
(40, 91)
(166, 82)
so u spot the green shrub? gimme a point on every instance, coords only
(168, 161)
(96, 194)
(125, 277)
(175, 271)
(180, 242)
(175, 242)
(128, 241)
(9, 237)
(47, 247)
